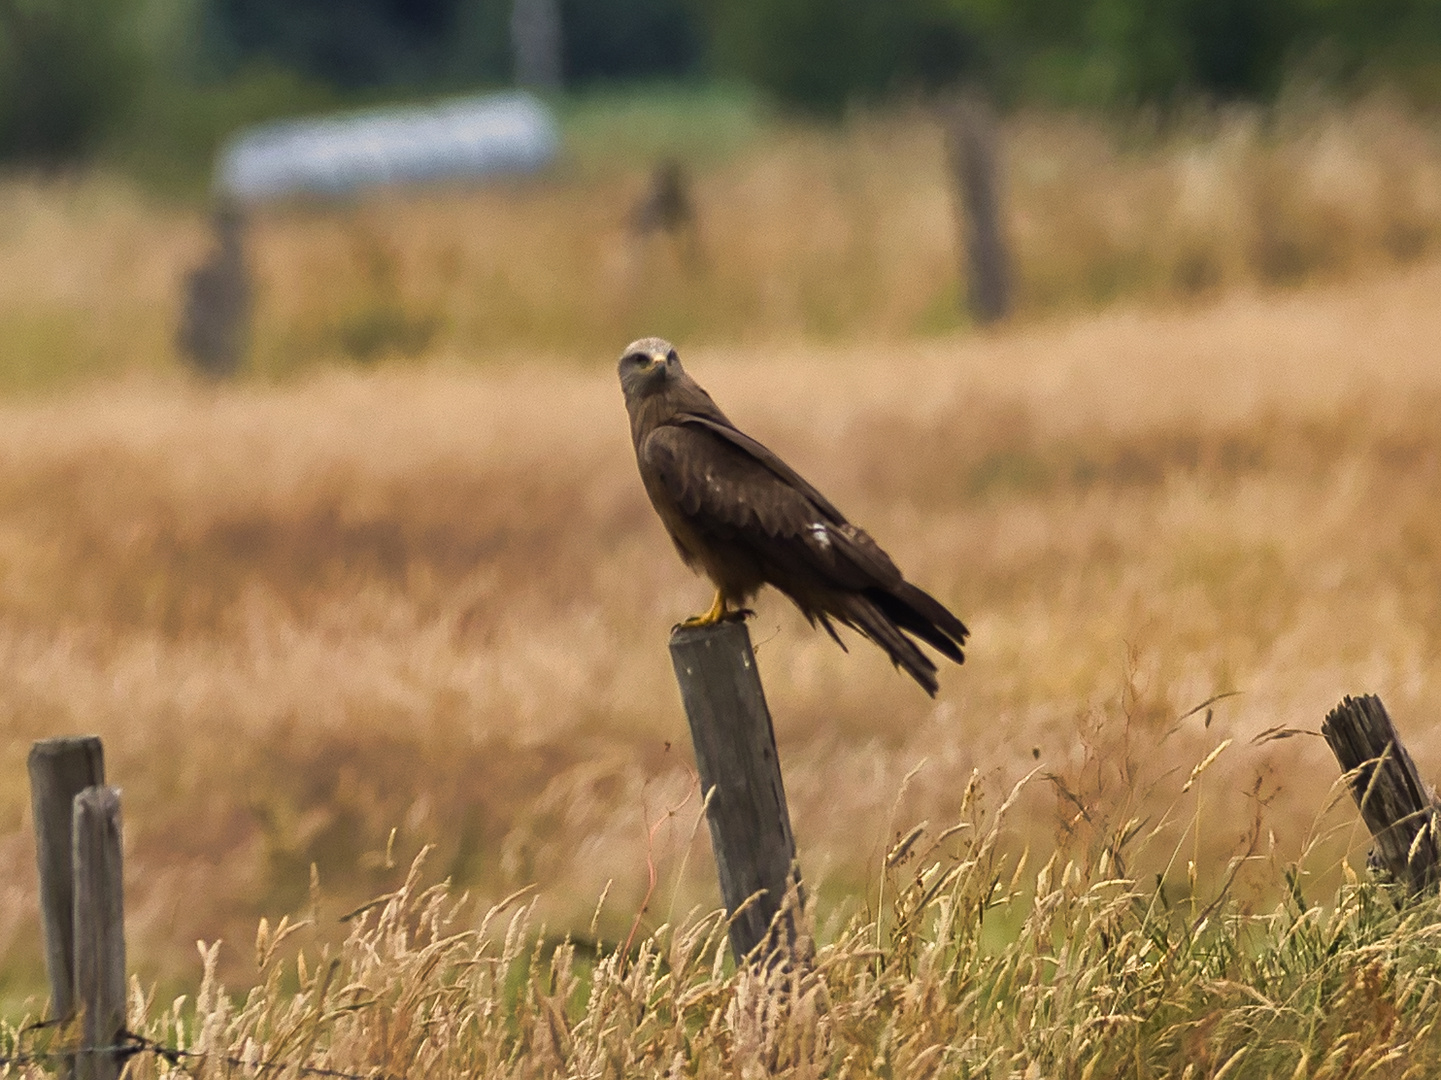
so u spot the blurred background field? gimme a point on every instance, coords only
(397, 583)
(803, 231)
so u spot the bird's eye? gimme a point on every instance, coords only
(637, 359)
(671, 357)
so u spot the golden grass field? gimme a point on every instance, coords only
(433, 599)
(330, 601)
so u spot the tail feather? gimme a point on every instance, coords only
(830, 628)
(887, 616)
(921, 614)
(862, 613)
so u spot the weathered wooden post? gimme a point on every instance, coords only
(740, 775)
(99, 929)
(1396, 805)
(77, 852)
(668, 208)
(537, 44)
(59, 770)
(215, 320)
(971, 144)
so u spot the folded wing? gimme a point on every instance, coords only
(734, 491)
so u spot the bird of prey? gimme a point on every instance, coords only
(745, 518)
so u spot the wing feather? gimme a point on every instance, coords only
(728, 491)
(736, 494)
(761, 453)
(721, 486)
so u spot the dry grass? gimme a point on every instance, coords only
(1090, 975)
(821, 233)
(323, 621)
(433, 599)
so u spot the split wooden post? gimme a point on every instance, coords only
(1396, 805)
(740, 775)
(59, 770)
(78, 854)
(99, 929)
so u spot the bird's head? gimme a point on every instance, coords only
(646, 365)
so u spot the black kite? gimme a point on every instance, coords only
(745, 518)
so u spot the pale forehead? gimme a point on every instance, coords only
(649, 345)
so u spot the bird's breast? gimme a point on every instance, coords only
(682, 532)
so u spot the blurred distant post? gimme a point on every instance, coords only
(973, 154)
(667, 208)
(215, 320)
(535, 42)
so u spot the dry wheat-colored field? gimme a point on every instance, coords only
(432, 599)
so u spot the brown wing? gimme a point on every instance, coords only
(734, 490)
(764, 456)
(739, 497)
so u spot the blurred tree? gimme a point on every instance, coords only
(345, 42)
(1158, 50)
(69, 69)
(819, 54)
(1356, 34)
(813, 53)
(358, 43)
(630, 40)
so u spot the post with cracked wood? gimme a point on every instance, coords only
(740, 776)
(59, 770)
(77, 853)
(1398, 807)
(99, 930)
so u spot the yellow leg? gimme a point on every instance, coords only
(717, 612)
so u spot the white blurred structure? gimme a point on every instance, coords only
(458, 139)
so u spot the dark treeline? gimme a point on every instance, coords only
(820, 54)
(358, 43)
(824, 53)
(70, 68)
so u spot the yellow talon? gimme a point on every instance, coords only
(717, 612)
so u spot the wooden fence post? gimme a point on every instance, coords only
(219, 298)
(973, 153)
(1396, 805)
(740, 775)
(99, 929)
(59, 770)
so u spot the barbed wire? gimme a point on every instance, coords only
(134, 1044)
